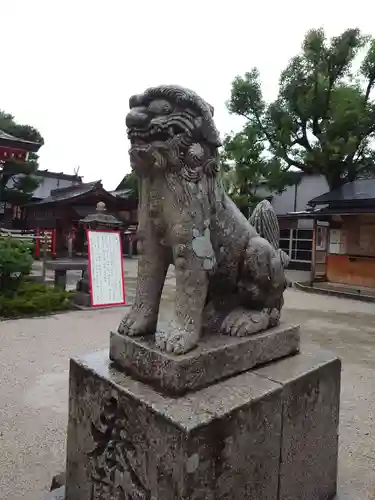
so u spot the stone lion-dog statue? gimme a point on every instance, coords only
(229, 279)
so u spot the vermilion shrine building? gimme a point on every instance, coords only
(13, 148)
(19, 149)
(65, 207)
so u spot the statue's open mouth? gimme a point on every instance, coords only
(153, 133)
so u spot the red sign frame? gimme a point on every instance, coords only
(123, 302)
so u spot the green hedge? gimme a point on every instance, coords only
(16, 260)
(34, 299)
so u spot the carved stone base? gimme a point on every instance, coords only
(269, 434)
(58, 481)
(217, 357)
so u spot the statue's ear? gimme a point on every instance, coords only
(210, 132)
(136, 100)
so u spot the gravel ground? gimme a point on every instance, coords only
(34, 361)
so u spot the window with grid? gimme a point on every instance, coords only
(284, 241)
(302, 245)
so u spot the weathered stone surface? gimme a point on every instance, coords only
(226, 273)
(58, 494)
(82, 299)
(266, 434)
(215, 358)
(58, 481)
(311, 404)
(124, 438)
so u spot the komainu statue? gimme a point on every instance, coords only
(229, 279)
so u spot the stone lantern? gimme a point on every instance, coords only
(99, 220)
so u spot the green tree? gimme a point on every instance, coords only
(22, 173)
(323, 120)
(16, 258)
(249, 174)
(130, 181)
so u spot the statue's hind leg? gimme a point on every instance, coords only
(238, 321)
(243, 322)
(260, 288)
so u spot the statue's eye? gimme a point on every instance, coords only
(160, 107)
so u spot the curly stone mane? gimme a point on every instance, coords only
(172, 129)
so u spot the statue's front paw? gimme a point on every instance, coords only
(176, 342)
(242, 323)
(137, 323)
(274, 317)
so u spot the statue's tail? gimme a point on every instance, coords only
(264, 220)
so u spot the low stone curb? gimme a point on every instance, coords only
(289, 283)
(39, 315)
(100, 308)
(306, 287)
(74, 308)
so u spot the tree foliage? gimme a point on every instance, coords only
(130, 181)
(22, 173)
(16, 259)
(323, 120)
(249, 174)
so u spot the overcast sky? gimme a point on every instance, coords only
(69, 67)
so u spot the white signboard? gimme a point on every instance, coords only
(335, 245)
(106, 268)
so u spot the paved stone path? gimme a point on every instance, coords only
(34, 360)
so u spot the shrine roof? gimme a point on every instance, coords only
(358, 191)
(123, 193)
(8, 137)
(17, 143)
(326, 212)
(72, 192)
(58, 175)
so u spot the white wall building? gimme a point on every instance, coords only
(296, 234)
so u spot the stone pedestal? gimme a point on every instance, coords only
(215, 358)
(270, 433)
(82, 299)
(60, 279)
(310, 422)
(82, 296)
(58, 494)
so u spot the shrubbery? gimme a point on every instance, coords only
(34, 299)
(16, 259)
(19, 296)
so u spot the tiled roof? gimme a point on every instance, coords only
(8, 137)
(29, 145)
(58, 175)
(123, 193)
(70, 192)
(360, 190)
